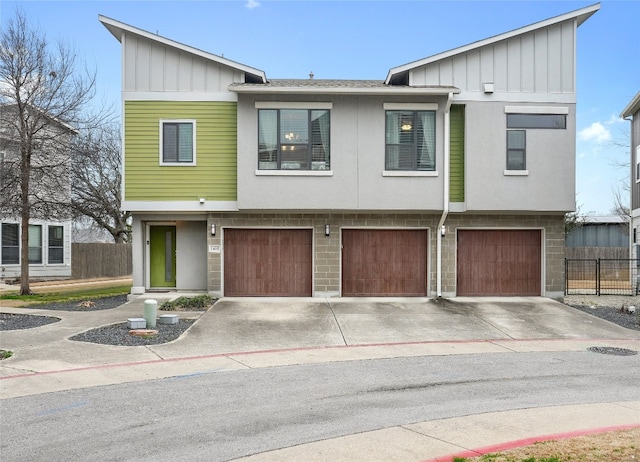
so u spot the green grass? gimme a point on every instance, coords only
(492, 457)
(68, 296)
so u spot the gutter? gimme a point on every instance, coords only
(445, 207)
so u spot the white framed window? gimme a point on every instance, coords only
(35, 244)
(638, 164)
(410, 140)
(177, 142)
(10, 244)
(55, 245)
(294, 139)
(521, 119)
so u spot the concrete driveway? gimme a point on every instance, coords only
(259, 324)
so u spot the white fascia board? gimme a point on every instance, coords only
(581, 15)
(419, 91)
(632, 107)
(180, 206)
(117, 28)
(179, 96)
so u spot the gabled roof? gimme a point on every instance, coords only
(117, 28)
(632, 107)
(580, 15)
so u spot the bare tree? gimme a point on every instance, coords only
(96, 180)
(44, 95)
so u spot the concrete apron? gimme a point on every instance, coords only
(239, 333)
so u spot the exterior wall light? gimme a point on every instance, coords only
(443, 230)
(327, 230)
(202, 200)
(213, 229)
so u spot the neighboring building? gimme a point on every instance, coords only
(632, 113)
(599, 237)
(451, 177)
(49, 239)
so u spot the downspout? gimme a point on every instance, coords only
(445, 206)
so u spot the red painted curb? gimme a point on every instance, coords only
(529, 441)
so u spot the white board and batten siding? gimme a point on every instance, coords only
(151, 66)
(541, 61)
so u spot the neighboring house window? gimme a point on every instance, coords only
(178, 142)
(294, 139)
(517, 125)
(410, 140)
(638, 164)
(35, 244)
(10, 244)
(56, 244)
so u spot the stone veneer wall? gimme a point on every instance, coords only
(327, 249)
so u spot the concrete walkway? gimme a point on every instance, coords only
(250, 333)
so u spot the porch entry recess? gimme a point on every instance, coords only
(162, 256)
(601, 276)
(499, 262)
(381, 263)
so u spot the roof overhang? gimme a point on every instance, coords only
(309, 90)
(579, 16)
(632, 107)
(117, 29)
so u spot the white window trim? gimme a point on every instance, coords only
(294, 172)
(178, 121)
(293, 105)
(536, 110)
(637, 164)
(410, 173)
(410, 106)
(516, 173)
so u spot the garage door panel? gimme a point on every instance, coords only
(384, 262)
(268, 262)
(499, 262)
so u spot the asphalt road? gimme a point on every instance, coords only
(218, 416)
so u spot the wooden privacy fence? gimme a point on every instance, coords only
(97, 260)
(601, 276)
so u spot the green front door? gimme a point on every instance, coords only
(162, 257)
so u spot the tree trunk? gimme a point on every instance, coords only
(25, 215)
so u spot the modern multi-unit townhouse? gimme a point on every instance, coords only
(450, 177)
(632, 113)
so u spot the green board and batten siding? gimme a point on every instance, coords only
(214, 176)
(456, 159)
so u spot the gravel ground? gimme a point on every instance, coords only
(608, 307)
(104, 303)
(119, 334)
(24, 321)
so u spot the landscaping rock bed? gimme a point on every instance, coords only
(24, 321)
(118, 334)
(104, 303)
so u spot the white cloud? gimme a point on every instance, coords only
(252, 4)
(595, 132)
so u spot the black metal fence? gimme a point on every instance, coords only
(601, 276)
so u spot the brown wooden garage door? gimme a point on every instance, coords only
(499, 262)
(267, 262)
(384, 262)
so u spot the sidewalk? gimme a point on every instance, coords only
(254, 333)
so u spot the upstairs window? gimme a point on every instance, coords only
(294, 139)
(10, 244)
(56, 244)
(177, 144)
(517, 126)
(410, 138)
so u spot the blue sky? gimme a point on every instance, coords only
(364, 39)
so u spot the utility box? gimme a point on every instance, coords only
(150, 312)
(168, 319)
(136, 323)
